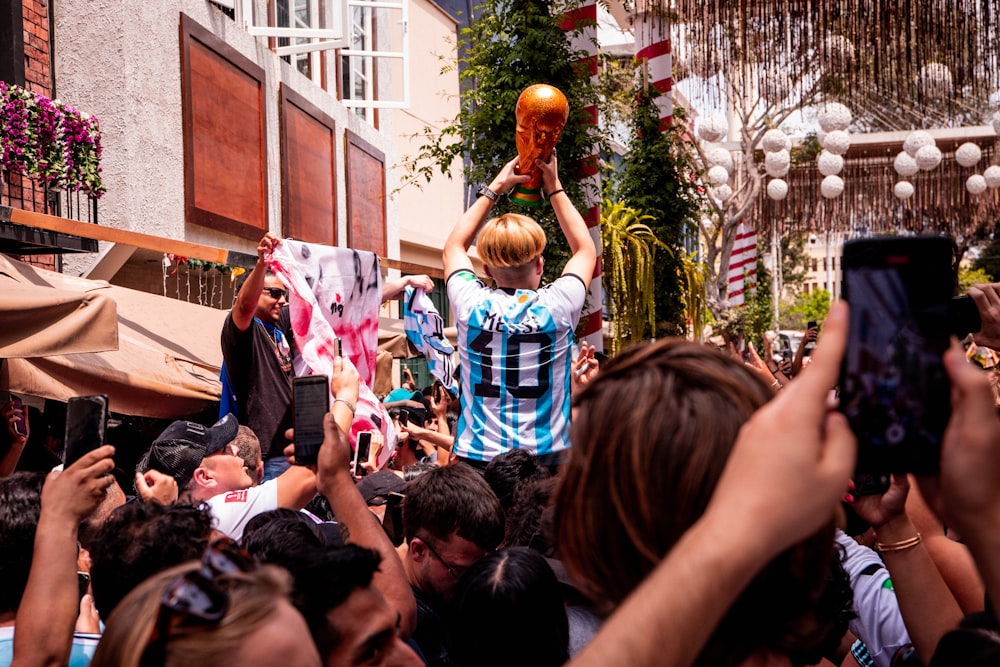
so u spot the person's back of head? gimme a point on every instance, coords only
(529, 516)
(512, 583)
(453, 499)
(278, 535)
(509, 245)
(20, 507)
(140, 539)
(651, 436)
(248, 445)
(509, 470)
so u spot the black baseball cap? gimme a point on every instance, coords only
(179, 450)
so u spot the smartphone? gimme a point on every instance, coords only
(871, 484)
(786, 355)
(964, 316)
(310, 403)
(86, 426)
(338, 347)
(18, 423)
(893, 386)
(392, 520)
(404, 417)
(811, 324)
(361, 453)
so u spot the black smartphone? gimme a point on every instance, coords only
(361, 453)
(86, 426)
(338, 347)
(786, 355)
(871, 484)
(964, 316)
(310, 403)
(893, 386)
(811, 324)
(392, 520)
(404, 416)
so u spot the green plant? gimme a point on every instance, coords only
(967, 277)
(627, 255)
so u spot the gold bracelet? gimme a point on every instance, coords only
(350, 406)
(899, 546)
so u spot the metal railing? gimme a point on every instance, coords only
(18, 191)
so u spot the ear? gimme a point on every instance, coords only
(203, 476)
(418, 550)
(539, 265)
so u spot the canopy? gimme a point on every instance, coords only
(166, 365)
(47, 313)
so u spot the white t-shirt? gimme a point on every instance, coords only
(231, 511)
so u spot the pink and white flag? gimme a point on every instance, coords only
(336, 293)
(742, 265)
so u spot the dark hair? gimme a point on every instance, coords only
(512, 583)
(628, 494)
(277, 535)
(453, 499)
(324, 579)
(139, 540)
(417, 469)
(508, 470)
(20, 507)
(526, 519)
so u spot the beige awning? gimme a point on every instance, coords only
(43, 313)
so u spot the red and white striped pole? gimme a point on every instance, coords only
(581, 23)
(653, 53)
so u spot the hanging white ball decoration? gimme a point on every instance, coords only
(903, 190)
(833, 116)
(837, 142)
(820, 136)
(934, 81)
(992, 176)
(722, 192)
(718, 175)
(968, 154)
(832, 186)
(916, 140)
(928, 157)
(776, 164)
(829, 164)
(775, 140)
(777, 189)
(905, 165)
(717, 155)
(976, 184)
(996, 122)
(713, 128)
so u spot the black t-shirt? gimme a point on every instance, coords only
(262, 386)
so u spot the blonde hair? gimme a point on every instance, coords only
(510, 241)
(253, 598)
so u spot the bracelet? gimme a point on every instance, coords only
(350, 406)
(899, 546)
(776, 384)
(555, 192)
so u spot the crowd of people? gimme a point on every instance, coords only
(675, 504)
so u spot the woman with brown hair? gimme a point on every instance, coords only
(650, 439)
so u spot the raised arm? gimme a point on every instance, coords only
(456, 247)
(581, 244)
(246, 302)
(393, 289)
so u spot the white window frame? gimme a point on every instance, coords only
(320, 39)
(403, 55)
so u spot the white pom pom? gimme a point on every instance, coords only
(718, 175)
(777, 189)
(903, 190)
(992, 176)
(934, 81)
(776, 164)
(968, 154)
(976, 184)
(820, 136)
(713, 128)
(905, 165)
(775, 140)
(723, 192)
(833, 116)
(832, 186)
(837, 142)
(996, 122)
(829, 164)
(717, 155)
(916, 140)
(928, 157)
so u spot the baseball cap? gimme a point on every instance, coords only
(179, 449)
(376, 487)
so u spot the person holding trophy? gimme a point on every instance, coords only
(515, 339)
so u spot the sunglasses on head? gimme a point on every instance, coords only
(196, 598)
(276, 292)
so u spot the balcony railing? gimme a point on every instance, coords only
(19, 191)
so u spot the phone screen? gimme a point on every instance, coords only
(86, 426)
(893, 386)
(310, 403)
(392, 520)
(361, 453)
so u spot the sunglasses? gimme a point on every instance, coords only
(275, 292)
(196, 598)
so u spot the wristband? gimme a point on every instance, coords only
(485, 191)
(555, 192)
(350, 406)
(902, 545)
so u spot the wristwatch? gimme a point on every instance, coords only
(484, 191)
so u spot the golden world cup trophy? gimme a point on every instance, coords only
(542, 111)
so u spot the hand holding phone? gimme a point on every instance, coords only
(361, 454)
(16, 419)
(86, 426)
(310, 403)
